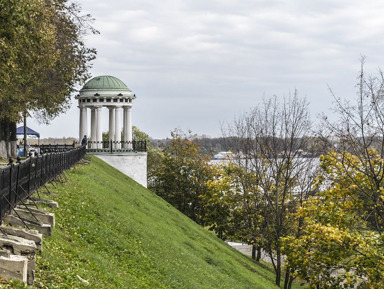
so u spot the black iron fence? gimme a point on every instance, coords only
(18, 181)
(49, 148)
(116, 146)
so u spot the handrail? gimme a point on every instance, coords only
(116, 146)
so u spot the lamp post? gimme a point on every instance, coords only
(25, 133)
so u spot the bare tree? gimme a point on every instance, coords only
(359, 131)
(271, 140)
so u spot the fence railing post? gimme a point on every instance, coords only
(10, 184)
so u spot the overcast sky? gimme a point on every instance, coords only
(194, 64)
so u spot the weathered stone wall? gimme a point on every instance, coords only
(134, 165)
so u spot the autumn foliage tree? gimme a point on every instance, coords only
(338, 247)
(181, 174)
(234, 206)
(268, 142)
(341, 245)
(42, 58)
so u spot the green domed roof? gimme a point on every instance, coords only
(105, 82)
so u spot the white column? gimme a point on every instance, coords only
(99, 133)
(118, 127)
(93, 127)
(128, 125)
(125, 127)
(83, 122)
(111, 125)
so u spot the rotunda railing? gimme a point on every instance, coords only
(116, 146)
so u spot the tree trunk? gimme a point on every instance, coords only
(278, 267)
(25, 133)
(258, 256)
(253, 252)
(287, 278)
(7, 139)
(290, 282)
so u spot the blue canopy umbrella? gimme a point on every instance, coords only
(30, 132)
(20, 131)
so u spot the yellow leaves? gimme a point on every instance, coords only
(321, 248)
(336, 233)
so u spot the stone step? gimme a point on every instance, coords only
(20, 246)
(14, 267)
(49, 203)
(12, 244)
(31, 214)
(32, 235)
(44, 229)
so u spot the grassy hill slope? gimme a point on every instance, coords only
(113, 233)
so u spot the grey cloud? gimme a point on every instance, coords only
(198, 62)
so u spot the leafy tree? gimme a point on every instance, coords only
(42, 58)
(360, 132)
(337, 248)
(343, 224)
(218, 199)
(269, 141)
(137, 135)
(72, 60)
(234, 206)
(181, 176)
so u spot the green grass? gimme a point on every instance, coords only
(113, 233)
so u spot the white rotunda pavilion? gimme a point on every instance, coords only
(110, 92)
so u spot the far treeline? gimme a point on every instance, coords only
(210, 146)
(42, 60)
(319, 218)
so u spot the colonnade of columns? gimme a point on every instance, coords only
(114, 126)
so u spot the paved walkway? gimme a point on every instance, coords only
(247, 250)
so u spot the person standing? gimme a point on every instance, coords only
(84, 141)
